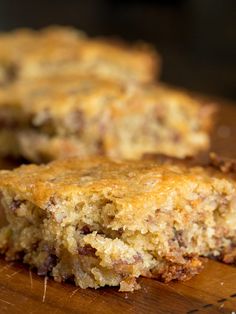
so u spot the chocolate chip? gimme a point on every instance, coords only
(100, 147)
(85, 229)
(52, 200)
(87, 250)
(16, 204)
(120, 231)
(48, 265)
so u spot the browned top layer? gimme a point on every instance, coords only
(135, 186)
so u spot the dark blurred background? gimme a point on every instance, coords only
(197, 38)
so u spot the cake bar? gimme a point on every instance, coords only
(50, 118)
(25, 53)
(98, 222)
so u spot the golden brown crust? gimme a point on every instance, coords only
(127, 178)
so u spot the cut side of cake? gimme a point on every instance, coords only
(97, 222)
(57, 117)
(25, 53)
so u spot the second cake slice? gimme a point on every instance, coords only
(47, 119)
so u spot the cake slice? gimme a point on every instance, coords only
(99, 222)
(25, 53)
(50, 118)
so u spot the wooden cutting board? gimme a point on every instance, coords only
(212, 291)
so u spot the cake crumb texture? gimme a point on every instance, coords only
(98, 222)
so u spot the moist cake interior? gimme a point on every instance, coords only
(107, 223)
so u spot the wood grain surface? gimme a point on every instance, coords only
(212, 291)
